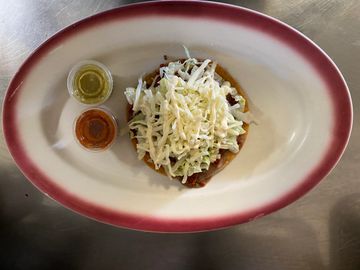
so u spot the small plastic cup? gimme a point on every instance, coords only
(95, 129)
(90, 82)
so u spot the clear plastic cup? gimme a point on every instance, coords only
(90, 82)
(95, 129)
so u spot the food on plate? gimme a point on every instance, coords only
(186, 119)
(95, 129)
(90, 82)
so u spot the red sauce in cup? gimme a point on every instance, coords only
(95, 129)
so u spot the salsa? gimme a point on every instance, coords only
(95, 129)
(90, 82)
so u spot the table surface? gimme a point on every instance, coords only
(319, 231)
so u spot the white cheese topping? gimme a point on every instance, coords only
(183, 121)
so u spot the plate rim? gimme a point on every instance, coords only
(326, 68)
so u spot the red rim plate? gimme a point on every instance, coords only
(325, 67)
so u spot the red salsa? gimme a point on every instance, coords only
(95, 129)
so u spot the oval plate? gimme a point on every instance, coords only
(297, 94)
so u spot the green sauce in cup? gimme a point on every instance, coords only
(90, 82)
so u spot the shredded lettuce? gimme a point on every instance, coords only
(185, 119)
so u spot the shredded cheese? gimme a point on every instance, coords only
(183, 121)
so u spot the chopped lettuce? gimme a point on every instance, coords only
(184, 121)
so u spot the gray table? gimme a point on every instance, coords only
(319, 231)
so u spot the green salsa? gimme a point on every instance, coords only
(91, 84)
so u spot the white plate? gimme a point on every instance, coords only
(296, 92)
